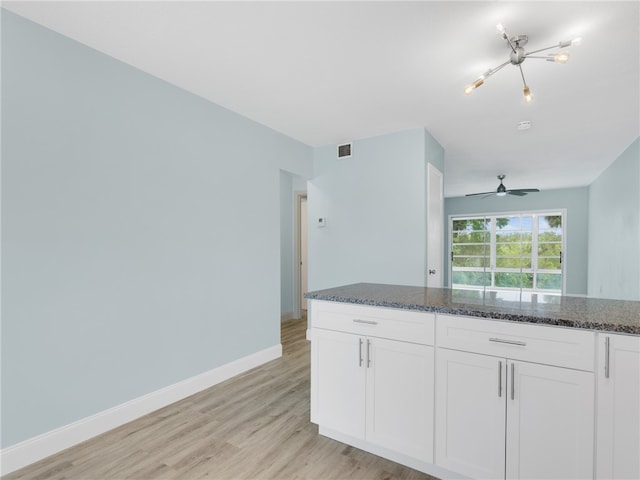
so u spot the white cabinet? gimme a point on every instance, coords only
(370, 388)
(550, 423)
(500, 417)
(482, 398)
(339, 382)
(470, 413)
(399, 401)
(618, 412)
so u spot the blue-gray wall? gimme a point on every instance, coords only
(574, 200)
(375, 206)
(141, 232)
(614, 228)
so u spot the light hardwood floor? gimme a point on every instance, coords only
(253, 426)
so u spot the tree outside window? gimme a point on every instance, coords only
(507, 252)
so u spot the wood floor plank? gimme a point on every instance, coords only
(253, 426)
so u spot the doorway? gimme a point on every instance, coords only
(301, 256)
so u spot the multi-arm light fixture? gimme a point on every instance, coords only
(519, 55)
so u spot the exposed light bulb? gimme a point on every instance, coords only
(576, 41)
(500, 28)
(561, 57)
(470, 88)
(527, 94)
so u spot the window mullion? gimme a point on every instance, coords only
(534, 251)
(492, 259)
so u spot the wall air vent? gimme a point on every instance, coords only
(344, 150)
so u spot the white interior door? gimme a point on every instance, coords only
(303, 252)
(435, 204)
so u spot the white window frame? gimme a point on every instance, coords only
(534, 245)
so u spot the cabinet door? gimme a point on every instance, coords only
(339, 382)
(618, 415)
(400, 397)
(470, 413)
(550, 422)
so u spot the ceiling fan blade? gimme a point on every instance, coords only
(521, 192)
(476, 194)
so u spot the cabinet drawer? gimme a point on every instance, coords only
(559, 346)
(394, 324)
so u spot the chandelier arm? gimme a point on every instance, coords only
(499, 67)
(522, 74)
(541, 50)
(509, 42)
(543, 58)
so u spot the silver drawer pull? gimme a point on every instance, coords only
(513, 381)
(366, 322)
(510, 342)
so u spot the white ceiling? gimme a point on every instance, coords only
(329, 72)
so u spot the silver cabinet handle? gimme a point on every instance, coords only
(500, 378)
(607, 351)
(513, 381)
(509, 342)
(359, 352)
(366, 322)
(368, 353)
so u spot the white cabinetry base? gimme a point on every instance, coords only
(410, 462)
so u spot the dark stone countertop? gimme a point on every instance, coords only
(618, 316)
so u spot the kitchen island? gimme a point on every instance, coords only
(463, 383)
(619, 316)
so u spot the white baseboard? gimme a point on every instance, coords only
(36, 448)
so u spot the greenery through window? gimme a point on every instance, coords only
(506, 252)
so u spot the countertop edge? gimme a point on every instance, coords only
(495, 315)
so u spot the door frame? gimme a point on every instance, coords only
(298, 195)
(438, 265)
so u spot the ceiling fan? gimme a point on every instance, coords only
(501, 191)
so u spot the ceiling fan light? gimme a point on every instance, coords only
(527, 94)
(500, 194)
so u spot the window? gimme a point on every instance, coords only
(504, 252)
